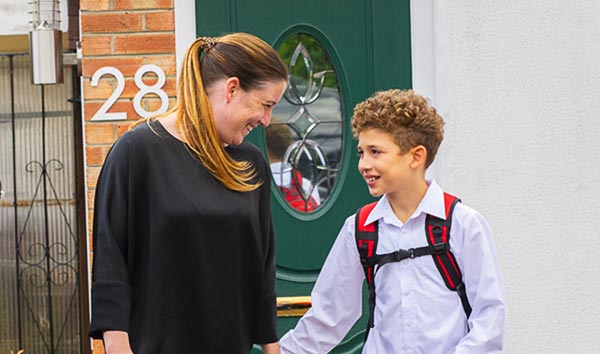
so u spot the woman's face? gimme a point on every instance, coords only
(237, 112)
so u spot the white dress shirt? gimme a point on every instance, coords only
(282, 176)
(415, 312)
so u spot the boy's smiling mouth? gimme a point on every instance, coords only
(371, 179)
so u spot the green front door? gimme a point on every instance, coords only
(339, 53)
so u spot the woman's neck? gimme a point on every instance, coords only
(169, 122)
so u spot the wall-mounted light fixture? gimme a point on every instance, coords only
(45, 43)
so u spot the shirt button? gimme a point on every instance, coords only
(406, 292)
(404, 231)
(409, 324)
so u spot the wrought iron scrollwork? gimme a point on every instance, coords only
(47, 265)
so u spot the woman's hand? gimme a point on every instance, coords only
(271, 348)
(116, 342)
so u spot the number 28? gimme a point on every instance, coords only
(156, 89)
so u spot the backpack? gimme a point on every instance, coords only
(437, 232)
(294, 198)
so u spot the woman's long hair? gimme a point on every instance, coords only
(206, 61)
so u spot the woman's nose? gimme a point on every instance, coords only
(266, 119)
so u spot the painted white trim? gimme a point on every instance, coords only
(423, 47)
(423, 56)
(185, 28)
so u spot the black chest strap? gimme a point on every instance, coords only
(437, 232)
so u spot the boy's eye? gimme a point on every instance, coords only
(375, 152)
(359, 153)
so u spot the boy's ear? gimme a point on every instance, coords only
(419, 156)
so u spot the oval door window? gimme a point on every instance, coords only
(304, 139)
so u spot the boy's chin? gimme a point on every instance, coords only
(375, 193)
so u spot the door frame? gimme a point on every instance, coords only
(424, 53)
(422, 29)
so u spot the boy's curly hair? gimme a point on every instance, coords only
(407, 116)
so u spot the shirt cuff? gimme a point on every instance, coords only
(111, 308)
(266, 329)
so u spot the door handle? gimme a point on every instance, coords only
(293, 306)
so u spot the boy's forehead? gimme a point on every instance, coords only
(375, 136)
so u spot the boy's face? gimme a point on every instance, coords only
(381, 163)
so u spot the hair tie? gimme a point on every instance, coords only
(207, 43)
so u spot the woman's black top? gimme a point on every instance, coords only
(181, 263)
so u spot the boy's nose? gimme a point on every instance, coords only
(363, 164)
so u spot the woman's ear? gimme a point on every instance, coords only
(418, 156)
(232, 85)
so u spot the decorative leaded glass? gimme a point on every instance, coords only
(304, 140)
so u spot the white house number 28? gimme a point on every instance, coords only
(155, 89)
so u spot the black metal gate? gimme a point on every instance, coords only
(43, 268)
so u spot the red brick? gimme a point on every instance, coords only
(120, 106)
(95, 155)
(111, 22)
(90, 221)
(142, 4)
(153, 104)
(92, 176)
(144, 44)
(94, 5)
(95, 45)
(91, 194)
(159, 21)
(122, 128)
(104, 89)
(166, 62)
(127, 65)
(99, 133)
(130, 89)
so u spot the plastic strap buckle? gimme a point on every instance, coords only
(440, 248)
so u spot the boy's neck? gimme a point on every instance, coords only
(405, 202)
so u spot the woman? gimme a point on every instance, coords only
(183, 239)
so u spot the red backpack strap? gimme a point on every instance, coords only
(366, 242)
(438, 237)
(293, 196)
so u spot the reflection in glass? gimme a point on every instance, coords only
(304, 140)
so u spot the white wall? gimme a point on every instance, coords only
(518, 83)
(15, 17)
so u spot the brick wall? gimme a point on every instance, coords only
(125, 34)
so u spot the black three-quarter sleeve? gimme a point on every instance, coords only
(266, 329)
(111, 292)
(179, 259)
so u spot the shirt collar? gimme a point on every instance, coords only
(432, 203)
(280, 167)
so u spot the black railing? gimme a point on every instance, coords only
(41, 307)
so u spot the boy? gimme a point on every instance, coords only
(398, 137)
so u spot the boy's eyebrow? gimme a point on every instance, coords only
(368, 146)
